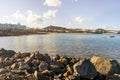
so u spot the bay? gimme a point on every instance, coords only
(78, 45)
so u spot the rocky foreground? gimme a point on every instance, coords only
(37, 66)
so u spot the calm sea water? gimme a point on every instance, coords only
(84, 45)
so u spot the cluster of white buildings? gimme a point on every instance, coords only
(12, 26)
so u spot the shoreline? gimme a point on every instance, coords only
(45, 33)
(37, 66)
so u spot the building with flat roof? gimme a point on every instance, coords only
(7, 26)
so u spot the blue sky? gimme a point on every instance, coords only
(89, 14)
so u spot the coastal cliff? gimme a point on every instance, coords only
(37, 66)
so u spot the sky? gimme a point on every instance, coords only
(86, 14)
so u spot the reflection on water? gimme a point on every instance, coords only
(84, 45)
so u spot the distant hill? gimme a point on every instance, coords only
(58, 29)
(55, 28)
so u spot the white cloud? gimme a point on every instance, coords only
(54, 3)
(18, 15)
(79, 20)
(34, 18)
(28, 18)
(50, 14)
(76, 0)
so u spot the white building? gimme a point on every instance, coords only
(12, 26)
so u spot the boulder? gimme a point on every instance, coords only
(105, 66)
(69, 71)
(36, 62)
(55, 68)
(66, 74)
(3, 71)
(24, 66)
(20, 66)
(56, 57)
(25, 55)
(1, 59)
(85, 69)
(19, 60)
(43, 66)
(28, 59)
(48, 73)
(113, 77)
(39, 76)
(71, 77)
(39, 56)
(42, 57)
(73, 61)
(7, 62)
(17, 77)
(17, 55)
(58, 77)
(63, 60)
(6, 53)
(36, 75)
(58, 64)
(47, 58)
(14, 66)
(18, 72)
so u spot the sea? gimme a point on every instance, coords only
(69, 44)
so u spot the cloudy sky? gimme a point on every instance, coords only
(69, 13)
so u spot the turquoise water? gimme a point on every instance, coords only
(84, 45)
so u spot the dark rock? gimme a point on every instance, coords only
(25, 55)
(39, 56)
(66, 74)
(35, 62)
(14, 66)
(55, 57)
(58, 64)
(43, 66)
(43, 57)
(57, 77)
(8, 63)
(85, 69)
(6, 53)
(24, 66)
(17, 77)
(56, 69)
(48, 73)
(18, 72)
(105, 66)
(63, 60)
(3, 71)
(17, 55)
(39, 76)
(29, 59)
(47, 58)
(19, 60)
(113, 77)
(73, 61)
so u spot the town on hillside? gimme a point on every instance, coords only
(18, 29)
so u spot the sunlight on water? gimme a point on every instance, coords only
(84, 45)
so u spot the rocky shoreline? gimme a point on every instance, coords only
(37, 66)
